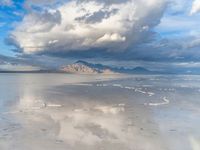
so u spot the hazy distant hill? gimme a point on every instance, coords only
(31, 71)
(83, 67)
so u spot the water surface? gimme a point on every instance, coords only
(87, 112)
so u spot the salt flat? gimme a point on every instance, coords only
(101, 112)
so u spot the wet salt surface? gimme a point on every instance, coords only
(80, 112)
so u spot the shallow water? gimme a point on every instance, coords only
(85, 112)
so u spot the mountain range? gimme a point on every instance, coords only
(83, 67)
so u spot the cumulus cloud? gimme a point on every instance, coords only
(195, 7)
(83, 25)
(40, 22)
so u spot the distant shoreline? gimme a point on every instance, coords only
(29, 72)
(57, 72)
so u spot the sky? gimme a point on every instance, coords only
(156, 34)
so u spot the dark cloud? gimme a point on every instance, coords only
(96, 16)
(10, 60)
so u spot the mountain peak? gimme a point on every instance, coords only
(83, 67)
(81, 62)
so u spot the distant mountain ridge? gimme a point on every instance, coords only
(83, 67)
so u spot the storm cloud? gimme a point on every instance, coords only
(108, 30)
(82, 25)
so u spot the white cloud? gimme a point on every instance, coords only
(87, 24)
(40, 22)
(111, 38)
(195, 7)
